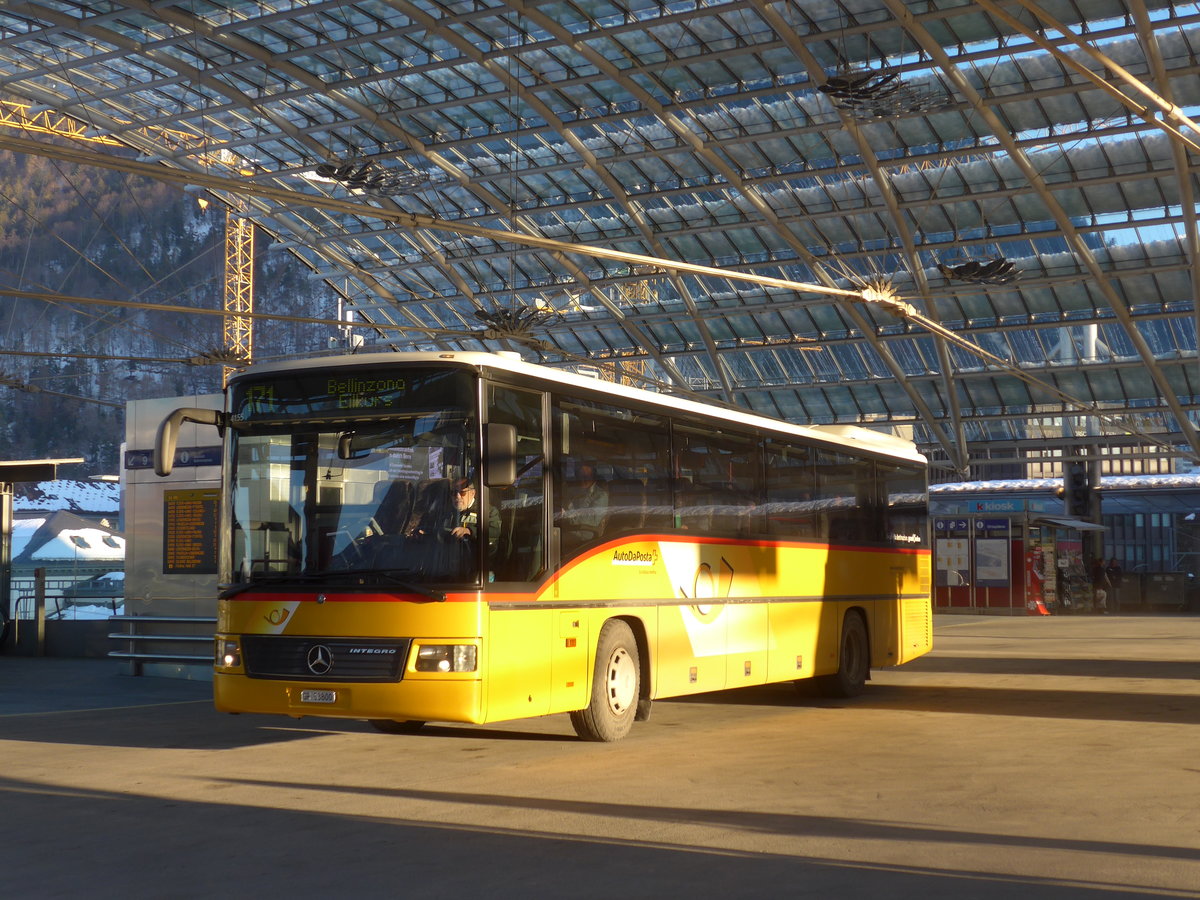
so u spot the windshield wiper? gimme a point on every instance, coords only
(392, 578)
(269, 579)
(334, 575)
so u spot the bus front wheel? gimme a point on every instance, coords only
(854, 661)
(616, 685)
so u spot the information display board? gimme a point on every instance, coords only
(190, 531)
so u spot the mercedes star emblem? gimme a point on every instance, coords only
(320, 659)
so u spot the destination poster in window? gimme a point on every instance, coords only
(991, 562)
(190, 531)
(991, 552)
(952, 562)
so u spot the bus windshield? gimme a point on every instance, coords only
(368, 478)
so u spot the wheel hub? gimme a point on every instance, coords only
(622, 682)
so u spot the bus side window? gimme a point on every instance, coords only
(628, 453)
(717, 487)
(790, 508)
(849, 507)
(583, 502)
(626, 506)
(907, 513)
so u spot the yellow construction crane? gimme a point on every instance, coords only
(239, 290)
(45, 121)
(239, 231)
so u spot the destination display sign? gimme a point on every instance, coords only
(349, 394)
(280, 399)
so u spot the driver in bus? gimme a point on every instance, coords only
(438, 535)
(465, 522)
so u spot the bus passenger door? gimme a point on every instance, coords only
(518, 555)
(520, 635)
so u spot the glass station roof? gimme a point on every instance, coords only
(974, 221)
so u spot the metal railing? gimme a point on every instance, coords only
(153, 646)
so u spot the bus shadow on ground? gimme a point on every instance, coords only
(1078, 668)
(1046, 702)
(186, 726)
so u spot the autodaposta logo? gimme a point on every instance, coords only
(635, 557)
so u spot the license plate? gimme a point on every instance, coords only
(318, 696)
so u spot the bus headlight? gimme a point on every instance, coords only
(229, 654)
(446, 658)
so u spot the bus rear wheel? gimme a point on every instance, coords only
(395, 726)
(854, 661)
(616, 686)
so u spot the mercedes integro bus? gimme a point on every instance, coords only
(464, 537)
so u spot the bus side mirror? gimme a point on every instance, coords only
(168, 433)
(500, 461)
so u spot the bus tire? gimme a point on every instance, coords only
(397, 726)
(616, 686)
(854, 661)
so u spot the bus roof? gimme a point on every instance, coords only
(849, 437)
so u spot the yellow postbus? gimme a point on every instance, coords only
(465, 537)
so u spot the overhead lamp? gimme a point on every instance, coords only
(878, 94)
(861, 87)
(517, 322)
(364, 175)
(990, 271)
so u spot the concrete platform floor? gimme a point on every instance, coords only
(1025, 757)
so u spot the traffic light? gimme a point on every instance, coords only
(1077, 492)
